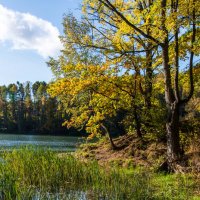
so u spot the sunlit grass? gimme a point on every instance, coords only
(36, 173)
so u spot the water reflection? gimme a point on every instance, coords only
(69, 195)
(58, 143)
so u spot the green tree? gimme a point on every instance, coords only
(4, 107)
(20, 106)
(12, 106)
(28, 103)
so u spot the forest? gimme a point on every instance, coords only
(27, 108)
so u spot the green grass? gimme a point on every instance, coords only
(30, 172)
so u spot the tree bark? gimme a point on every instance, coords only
(137, 123)
(173, 144)
(172, 124)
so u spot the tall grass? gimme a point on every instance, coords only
(32, 173)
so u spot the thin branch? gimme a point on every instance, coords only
(191, 58)
(109, 5)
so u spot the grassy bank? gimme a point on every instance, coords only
(31, 173)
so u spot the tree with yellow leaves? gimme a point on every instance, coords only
(173, 27)
(116, 51)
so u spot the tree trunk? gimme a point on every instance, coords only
(148, 77)
(113, 146)
(172, 124)
(173, 144)
(137, 123)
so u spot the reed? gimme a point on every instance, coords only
(34, 173)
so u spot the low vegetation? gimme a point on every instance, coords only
(31, 173)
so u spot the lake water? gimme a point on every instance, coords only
(57, 143)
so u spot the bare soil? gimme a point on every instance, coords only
(134, 152)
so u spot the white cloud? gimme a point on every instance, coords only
(27, 32)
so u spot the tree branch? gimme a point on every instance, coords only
(109, 5)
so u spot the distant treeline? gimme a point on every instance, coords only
(27, 108)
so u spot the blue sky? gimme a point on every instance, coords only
(29, 35)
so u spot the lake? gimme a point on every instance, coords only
(57, 143)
